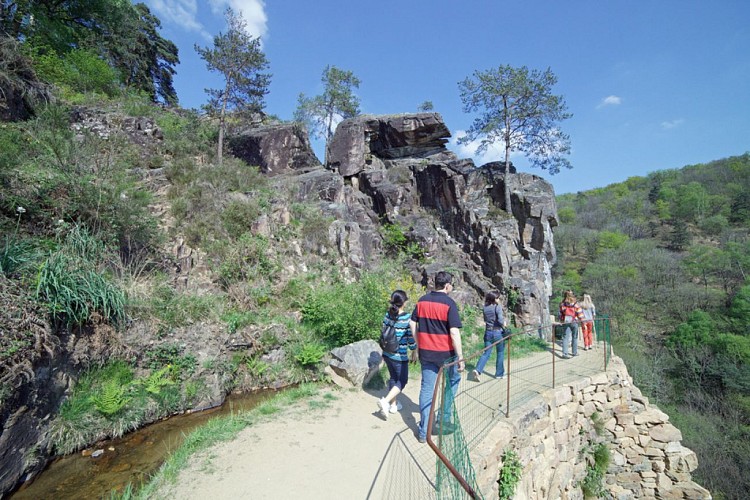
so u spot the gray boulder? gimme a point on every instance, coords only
(275, 149)
(357, 362)
(391, 136)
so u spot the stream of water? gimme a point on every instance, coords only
(129, 459)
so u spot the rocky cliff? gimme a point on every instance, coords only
(391, 169)
(395, 169)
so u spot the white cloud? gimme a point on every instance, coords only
(252, 11)
(184, 13)
(610, 100)
(180, 12)
(672, 123)
(495, 152)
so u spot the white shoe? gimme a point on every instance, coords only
(385, 408)
(395, 407)
(476, 375)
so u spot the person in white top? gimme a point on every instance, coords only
(589, 314)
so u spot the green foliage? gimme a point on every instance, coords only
(248, 259)
(310, 354)
(510, 475)
(517, 109)
(18, 76)
(426, 106)
(73, 286)
(77, 71)
(174, 356)
(341, 313)
(523, 345)
(240, 60)
(567, 215)
(110, 399)
(157, 380)
(610, 241)
(320, 113)
(397, 241)
(174, 309)
(684, 263)
(593, 484)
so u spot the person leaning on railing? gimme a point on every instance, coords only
(571, 315)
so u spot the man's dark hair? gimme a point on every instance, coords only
(441, 279)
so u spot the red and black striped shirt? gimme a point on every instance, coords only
(435, 315)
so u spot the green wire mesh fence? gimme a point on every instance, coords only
(534, 362)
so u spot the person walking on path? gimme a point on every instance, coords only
(571, 315)
(589, 314)
(397, 362)
(493, 332)
(436, 325)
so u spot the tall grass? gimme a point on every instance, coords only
(74, 284)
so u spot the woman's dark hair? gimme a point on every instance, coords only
(491, 297)
(398, 299)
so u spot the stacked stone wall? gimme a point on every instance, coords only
(553, 436)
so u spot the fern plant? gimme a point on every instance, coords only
(111, 398)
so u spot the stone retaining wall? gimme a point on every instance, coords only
(552, 436)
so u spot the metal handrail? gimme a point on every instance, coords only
(440, 375)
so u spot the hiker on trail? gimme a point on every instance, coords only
(436, 324)
(571, 315)
(493, 332)
(589, 314)
(397, 362)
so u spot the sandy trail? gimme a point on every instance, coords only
(307, 453)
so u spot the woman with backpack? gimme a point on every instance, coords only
(493, 332)
(396, 321)
(571, 315)
(589, 314)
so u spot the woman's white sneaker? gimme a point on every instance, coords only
(384, 407)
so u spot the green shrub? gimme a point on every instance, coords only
(80, 71)
(342, 313)
(310, 354)
(510, 475)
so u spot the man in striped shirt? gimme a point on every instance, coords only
(435, 323)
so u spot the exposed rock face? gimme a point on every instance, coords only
(275, 149)
(396, 169)
(392, 136)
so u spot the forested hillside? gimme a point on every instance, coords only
(668, 257)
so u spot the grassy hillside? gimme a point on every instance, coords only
(668, 256)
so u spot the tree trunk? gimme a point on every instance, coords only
(222, 116)
(507, 138)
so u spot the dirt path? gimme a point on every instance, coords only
(313, 452)
(337, 446)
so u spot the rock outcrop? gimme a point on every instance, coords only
(275, 149)
(395, 169)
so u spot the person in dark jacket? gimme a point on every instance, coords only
(494, 332)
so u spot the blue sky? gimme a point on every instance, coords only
(651, 84)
